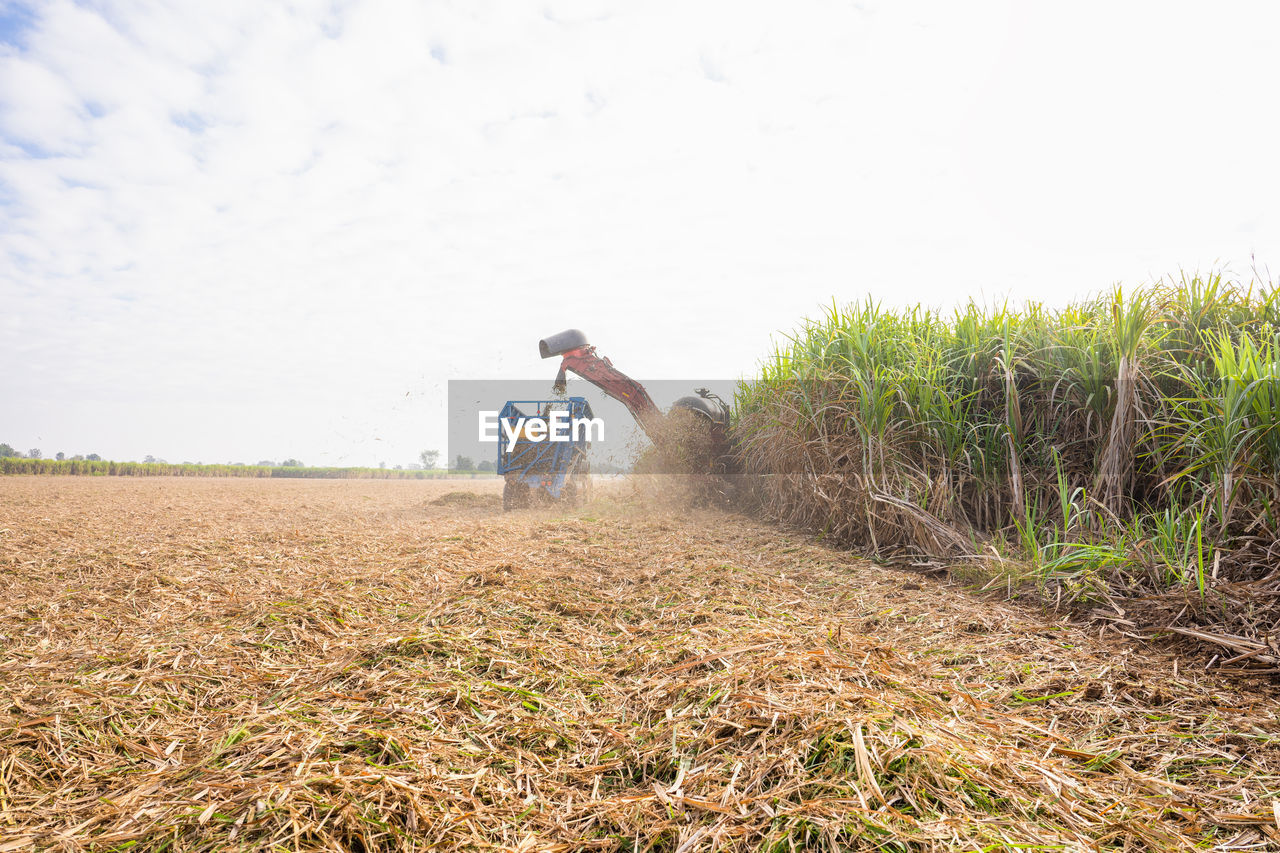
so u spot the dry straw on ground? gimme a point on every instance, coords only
(359, 666)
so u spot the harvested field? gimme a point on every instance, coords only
(195, 664)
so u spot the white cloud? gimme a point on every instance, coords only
(263, 230)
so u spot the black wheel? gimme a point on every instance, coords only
(515, 495)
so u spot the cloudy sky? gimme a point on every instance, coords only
(243, 230)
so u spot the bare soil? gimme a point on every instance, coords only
(195, 664)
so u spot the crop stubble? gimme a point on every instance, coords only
(395, 665)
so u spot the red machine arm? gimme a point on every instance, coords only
(681, 445)
(601, 373)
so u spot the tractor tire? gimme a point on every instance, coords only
(515, 495)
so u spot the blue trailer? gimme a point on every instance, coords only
(541, 455)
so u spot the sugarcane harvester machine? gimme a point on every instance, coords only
(691, 438)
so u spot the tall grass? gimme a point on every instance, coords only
(1096, 439)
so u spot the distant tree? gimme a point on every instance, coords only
(292, 463)
(35, 453)
(266, 463)
(150, 459)
(60, 456)
(79, 457)
(93, 457)
(429, 458)
(464, 463)
(382, 465)
(399, 467)
(7, 450)
(485, 465)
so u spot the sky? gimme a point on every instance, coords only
(237, 231)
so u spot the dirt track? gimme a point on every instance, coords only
(364, 665)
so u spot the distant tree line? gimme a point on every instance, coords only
(8, 451)
(104, 468)
(33, 461)
(466, 463)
